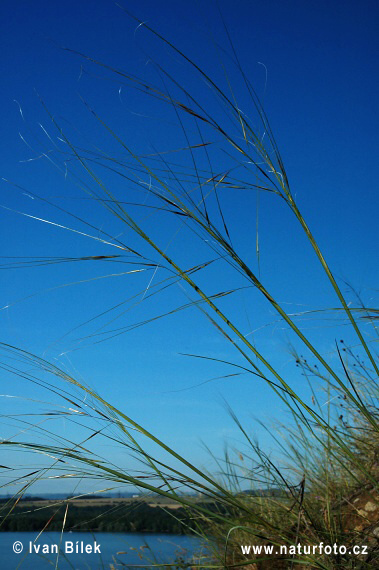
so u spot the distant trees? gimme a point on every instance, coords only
(133, 517)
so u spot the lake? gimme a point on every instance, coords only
(83, 550)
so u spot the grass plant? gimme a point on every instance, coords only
(328, 454)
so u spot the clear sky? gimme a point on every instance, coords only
(314, 65)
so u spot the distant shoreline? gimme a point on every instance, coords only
(103, 514)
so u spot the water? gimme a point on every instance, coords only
(127, 549)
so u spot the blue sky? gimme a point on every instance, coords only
(314, 65)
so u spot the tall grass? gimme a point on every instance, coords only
(328, 453)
